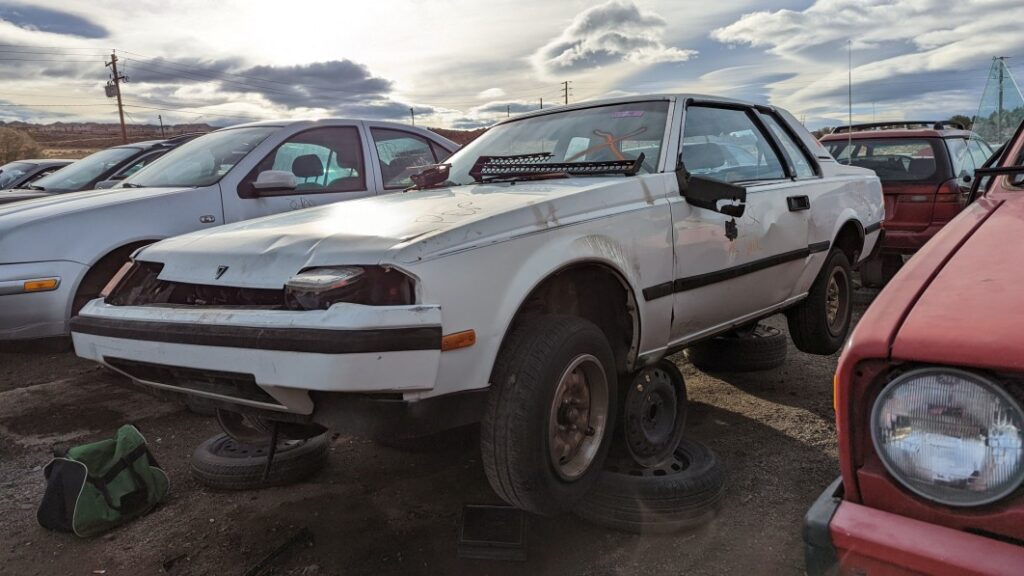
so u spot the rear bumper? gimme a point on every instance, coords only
(842, 537)
(266, 359)
(907, 242)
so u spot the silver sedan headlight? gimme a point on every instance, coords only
(951, 436)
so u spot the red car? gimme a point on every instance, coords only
(929, 398)
(924, 167)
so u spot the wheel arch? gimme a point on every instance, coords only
(849, 237)
(105, 255)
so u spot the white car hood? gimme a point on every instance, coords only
(62, 204)
(394, 229)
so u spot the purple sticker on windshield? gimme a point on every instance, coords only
(628, 114)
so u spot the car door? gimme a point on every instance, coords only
(728, 270)
(329, 164)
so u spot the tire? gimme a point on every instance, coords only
(813, 328)
(763, 349)
(526, 428)
(684, 493)
(225, 464)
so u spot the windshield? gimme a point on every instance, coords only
(602, 133)
(893, 160)
(200, 162)
(12, 172)
(82, 174)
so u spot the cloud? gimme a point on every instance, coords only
(610, 33)
(491, 94)
(902, 51)
(37, 18)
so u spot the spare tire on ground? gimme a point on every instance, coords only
(682, 493)
(763, 348)
(223, 463)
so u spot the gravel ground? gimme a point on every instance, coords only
(375, 510)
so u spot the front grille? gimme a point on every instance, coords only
(230, 384)
(141, 287)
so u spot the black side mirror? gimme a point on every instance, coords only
(708, 193)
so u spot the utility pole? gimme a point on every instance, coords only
(117, 79)
(412, 114)
(542, 103)
(508, 110)
(161, 119)
(565, 90)
(999, 113)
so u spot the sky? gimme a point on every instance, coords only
(466, 64)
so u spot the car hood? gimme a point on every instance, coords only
(17, 194)
(44, 206)
(972, 311)
(399, 229)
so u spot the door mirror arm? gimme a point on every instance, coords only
(711, 194)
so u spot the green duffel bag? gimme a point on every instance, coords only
(95, 487)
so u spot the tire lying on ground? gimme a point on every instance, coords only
(682, 493)
(223, 463)
(763, 349)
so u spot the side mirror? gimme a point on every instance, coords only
(274, 182)
(104, 184)
(711, 194)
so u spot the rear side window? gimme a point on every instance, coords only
(401, 155)
(796, 153)
(893, 160)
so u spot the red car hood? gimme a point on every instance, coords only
(972, 311)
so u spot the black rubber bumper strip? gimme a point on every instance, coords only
(701, 280)
(872, 227)
(312, 340)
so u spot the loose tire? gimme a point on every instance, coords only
(820, 323)
(762, 349)
(683, 493)
(225, 464)
(550, 413)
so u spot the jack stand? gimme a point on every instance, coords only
(271, 451)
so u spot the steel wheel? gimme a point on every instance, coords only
(654, 414)
(837, 297)
(578, 417)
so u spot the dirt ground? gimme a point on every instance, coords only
(375, 510)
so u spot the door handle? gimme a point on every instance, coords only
(798, 203)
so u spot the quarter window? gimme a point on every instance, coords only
(726, 144)
(400, 155)
(796, 153)
(322, 160)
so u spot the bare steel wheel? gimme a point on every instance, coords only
(653, 413)
(550, 411)
(579, 416)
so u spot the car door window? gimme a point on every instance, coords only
(726, 144)
(400, 155)
(801, 161)
(322, 160)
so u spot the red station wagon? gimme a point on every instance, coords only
(930, 405)
(924, 167)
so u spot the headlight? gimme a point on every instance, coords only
(320, 288)
(950, 436)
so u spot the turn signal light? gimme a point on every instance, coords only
(463, 339)
(41, 285)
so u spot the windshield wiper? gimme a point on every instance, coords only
(131, 185)
(34, 187)
(532, 167)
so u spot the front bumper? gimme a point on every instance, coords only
(267, 359)
(841, 537)
(26, 316)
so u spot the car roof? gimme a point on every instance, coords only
(903, 133)
(633, 98)
(46, 160)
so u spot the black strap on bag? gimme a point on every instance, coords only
(134, 501)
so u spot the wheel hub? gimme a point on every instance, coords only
(836, 295)
(579, 414)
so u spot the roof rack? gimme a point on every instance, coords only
(904, 124)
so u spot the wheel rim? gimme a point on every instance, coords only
(578, 417)
(228, 447)
(837, 294)
(654, 414)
